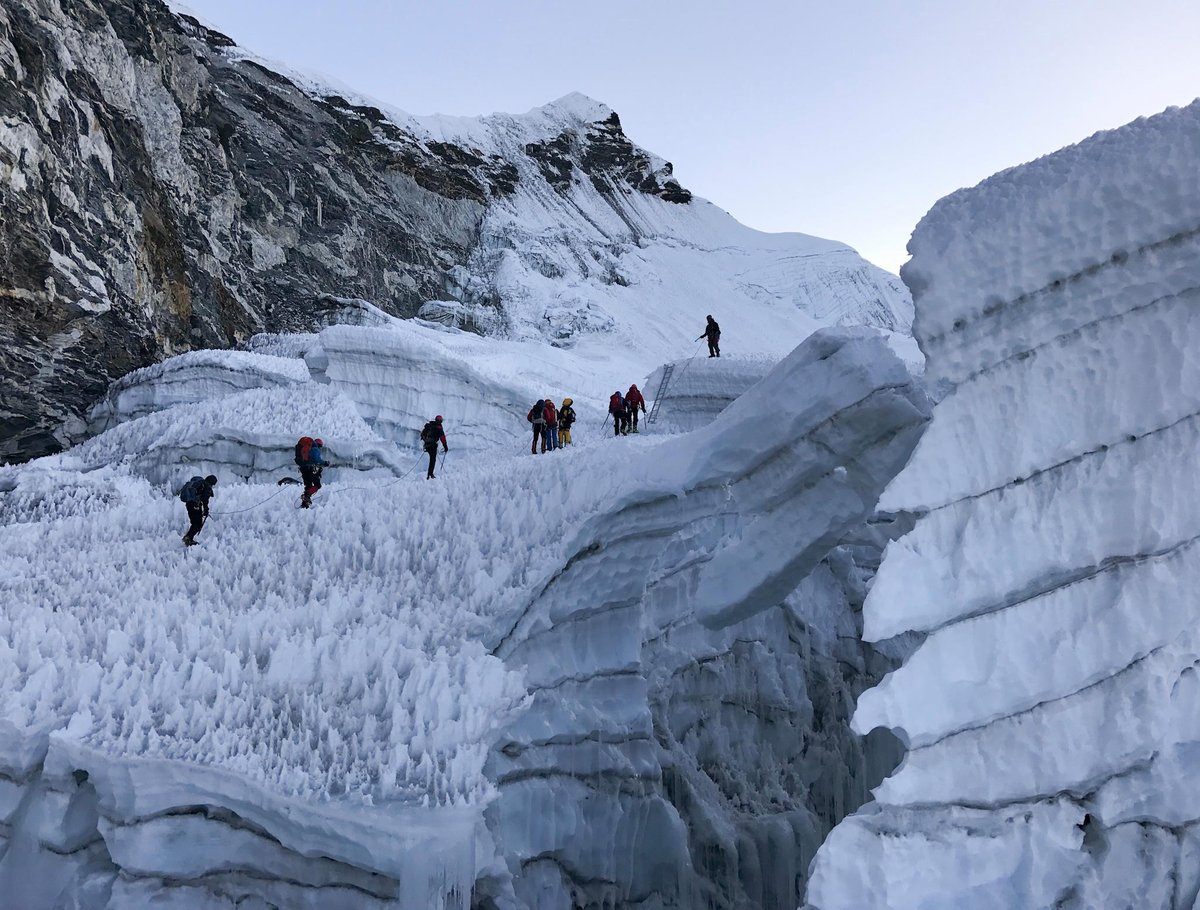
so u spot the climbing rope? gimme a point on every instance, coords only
(248, 508)
(339, 489)
(690, 359)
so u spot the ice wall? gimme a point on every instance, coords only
(700, 388)
(628, 782)
(1051, 712)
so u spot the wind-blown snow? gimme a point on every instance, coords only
(1051, 713)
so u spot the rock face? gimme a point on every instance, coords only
(160, 191)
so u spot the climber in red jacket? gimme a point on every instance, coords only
(635, 402)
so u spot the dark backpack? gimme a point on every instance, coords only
(303, 447)
(537, 412)
(616, 404)
(431, 434)
(191, 490)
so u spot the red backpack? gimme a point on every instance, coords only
(302, 449)
(549, 414)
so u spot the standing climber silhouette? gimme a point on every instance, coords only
(310, 459)
(616, 407)
(712, 332)
(195, 495)
(550, 434)
(537, 418)
(431, 435)
(566, 420)
(635, 400)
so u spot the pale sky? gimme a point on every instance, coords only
(846, 119)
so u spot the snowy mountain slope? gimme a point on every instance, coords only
(1051, 712)
(166, 191)
(499, 679)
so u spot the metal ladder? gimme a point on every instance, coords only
(668, 369)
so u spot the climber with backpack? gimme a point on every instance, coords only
(635, 400)
(566, 419)
(537, 418)
(195, 495)
(551, 432)
(431, 435)
(310, 459)
(616, 407)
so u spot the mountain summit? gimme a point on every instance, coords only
(162, 190)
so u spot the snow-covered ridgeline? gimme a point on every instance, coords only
(189, 728)
(642, 796)
(1052, 710)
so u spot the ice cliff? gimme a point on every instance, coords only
(162, 190)
(619, 675)
(1051, 713)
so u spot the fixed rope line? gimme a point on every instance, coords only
(248, 508)
(330, 493)
(668, 372)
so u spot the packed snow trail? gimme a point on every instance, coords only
(1052, 712)
(362, 680)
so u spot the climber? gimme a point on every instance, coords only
(635, 401)
(310, 460)
(431, 435)
(550, 437)
(538, 420)
(712, 332)
(616, 407)
(566, 417)
(195, 496)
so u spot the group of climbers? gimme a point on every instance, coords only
(551, 426)
(551, 430)
(624, 410)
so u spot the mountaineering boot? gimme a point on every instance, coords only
(187, 541)
(305, 501)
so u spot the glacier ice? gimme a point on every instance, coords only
(1051, 711)
(606, 675)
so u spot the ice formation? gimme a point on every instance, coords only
(608, 676)
(1051, 712)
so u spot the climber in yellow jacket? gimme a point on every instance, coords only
(566, 417)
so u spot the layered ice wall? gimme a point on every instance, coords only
(696, 392)
(1051, 714)
(683, 657)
